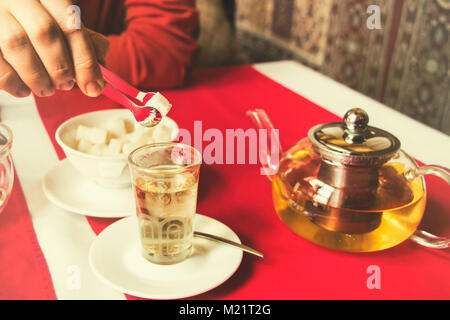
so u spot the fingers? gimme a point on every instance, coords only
(10, 80)
(19, 53)
(42, 51)
(48, 41)
(87, 71)
(100, 43)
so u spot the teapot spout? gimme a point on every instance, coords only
(270, 149)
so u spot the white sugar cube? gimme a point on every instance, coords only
(84, 146)
(147, 138)
(134, 137)
(149, 131)
(139, 128)
(97, 150)
(114, 147)
(128, 147)
(117, 127)
(83, 133)
(98, 135)
(93, 135)
(162, 133)
(143, 137)
(159, 102)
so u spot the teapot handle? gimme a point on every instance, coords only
(421, 237)
(270, 151)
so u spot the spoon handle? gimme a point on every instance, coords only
(124, 87)
(228, 242)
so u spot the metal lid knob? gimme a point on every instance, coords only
(356, 120)
(353, 142)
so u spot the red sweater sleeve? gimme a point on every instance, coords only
(156, 48)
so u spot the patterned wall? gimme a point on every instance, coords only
(404, 64)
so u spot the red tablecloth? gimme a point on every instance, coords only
(23, 271)
(241, 198)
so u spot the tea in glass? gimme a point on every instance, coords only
(165, 179)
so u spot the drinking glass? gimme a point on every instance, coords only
(6, 165)
(165, 180)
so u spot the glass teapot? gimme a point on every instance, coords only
(348, 186)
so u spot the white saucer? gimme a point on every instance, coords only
(115, 256)
(68, 189)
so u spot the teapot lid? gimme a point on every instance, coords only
(353, 142)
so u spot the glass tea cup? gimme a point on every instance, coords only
(6, 165)
(165, 180)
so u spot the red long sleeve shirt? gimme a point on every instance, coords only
(152, 42)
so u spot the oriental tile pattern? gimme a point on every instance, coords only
(418, 82)
(404, 64)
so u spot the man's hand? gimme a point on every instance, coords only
(41, 51)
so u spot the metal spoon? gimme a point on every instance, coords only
(228, 242)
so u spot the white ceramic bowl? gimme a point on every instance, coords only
(106, 171)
